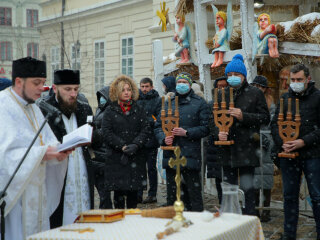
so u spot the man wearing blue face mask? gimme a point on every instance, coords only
(307, 145)
(193, 125)
(249, 113)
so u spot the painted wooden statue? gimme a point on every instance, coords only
(182, 38)
(223, 26)
(267, 40)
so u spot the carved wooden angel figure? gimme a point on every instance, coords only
(182, 38)
(267, 41)
(223, 26)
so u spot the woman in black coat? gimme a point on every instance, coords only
(101, 151)
(125, 131)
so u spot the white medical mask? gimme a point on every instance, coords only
(297, 87)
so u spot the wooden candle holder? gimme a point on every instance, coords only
(169, 122)
(289, 129)
(222, 118)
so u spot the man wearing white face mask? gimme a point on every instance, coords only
(249, 113)
(307, 145)
(193, 125)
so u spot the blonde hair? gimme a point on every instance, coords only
(117, 86)
(264, 14)
(181, 16)
(223, 15)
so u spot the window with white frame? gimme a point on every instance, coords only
(32, 17)
(5, 16)
(99, 65)
(5, 51)
(75, 56)
(55, 60)
(33, 50)
(127, 56)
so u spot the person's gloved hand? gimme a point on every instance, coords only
(130, 149)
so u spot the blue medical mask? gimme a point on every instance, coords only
(234, 81)
(297, 87)
(183, 88)
(102, 101)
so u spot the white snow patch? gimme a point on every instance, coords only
(316, 31)
(304, 18)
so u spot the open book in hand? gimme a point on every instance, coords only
(79, 137)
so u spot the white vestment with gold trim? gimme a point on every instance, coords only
(35, 192)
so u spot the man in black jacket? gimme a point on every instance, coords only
(307, 146)
(77, 195)
(150, 101)
(249, 113)
(193, 125)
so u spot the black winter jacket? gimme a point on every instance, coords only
(309, 104)
(245, 133)
(100, 150)
(151, 103)
(121, 129)
(59, 130)
(194, 115)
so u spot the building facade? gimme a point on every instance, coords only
(19, 36)
(100, 38)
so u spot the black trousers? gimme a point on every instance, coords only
(105, 196)
(190, 189)
(119, 199)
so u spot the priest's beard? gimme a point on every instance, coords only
(24, 95)
(65, 107)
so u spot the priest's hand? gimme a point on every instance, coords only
(52, 153)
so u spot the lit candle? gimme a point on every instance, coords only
(297, 106)
(215, 95)
(281, 106)
(223, 96)
(169, 103)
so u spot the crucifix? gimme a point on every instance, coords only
(178, 204)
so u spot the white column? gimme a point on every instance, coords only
(158, 64)
(200, 15)
(247, 20)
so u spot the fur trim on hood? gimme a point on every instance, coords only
(115, 88)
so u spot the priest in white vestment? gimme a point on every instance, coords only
(34, 193)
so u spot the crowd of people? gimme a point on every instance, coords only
(52, 187)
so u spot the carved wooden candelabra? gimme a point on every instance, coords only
(222, 118)
(289, 129)
(169, 122)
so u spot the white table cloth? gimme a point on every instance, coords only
(228, 226)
